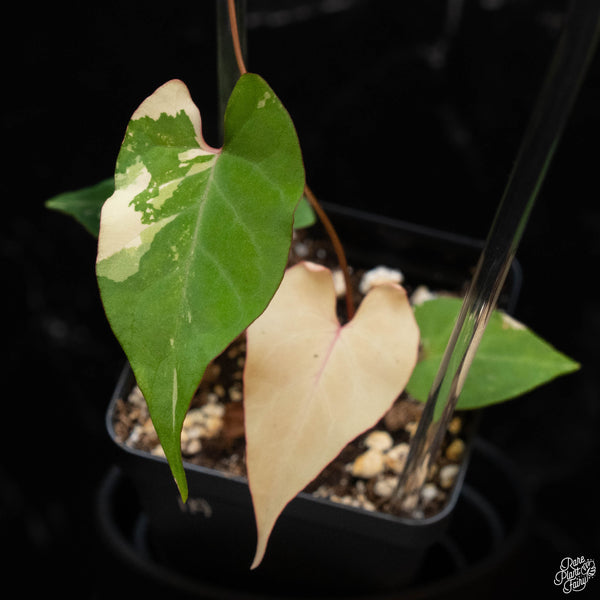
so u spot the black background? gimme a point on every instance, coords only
(394, 117)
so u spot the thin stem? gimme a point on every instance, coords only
(337, 246)
(228, 72)
(237, 47)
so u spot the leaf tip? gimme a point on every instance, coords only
(261, 548)
(183, 488)
(175, 462)
(257, 559)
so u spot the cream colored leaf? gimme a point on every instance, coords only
(311, 385)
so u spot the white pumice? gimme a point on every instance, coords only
(385, 486)
(448, 475)
(339, 283)
(378, 276)
(421, 295)
(395, 458)
(368, 464)
(429, 492)
(379, 440)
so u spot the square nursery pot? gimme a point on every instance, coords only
(318, 547)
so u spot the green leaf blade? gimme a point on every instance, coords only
(85, 204)
(194, 242)
(305, 215)
(511, 359)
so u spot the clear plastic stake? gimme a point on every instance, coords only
(572, 56)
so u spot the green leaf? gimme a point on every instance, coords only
(510, 361)
(194, 241)
(85, 204)
(305, 215)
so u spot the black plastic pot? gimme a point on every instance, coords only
(315, 541)
(488, 526)
(317, 547)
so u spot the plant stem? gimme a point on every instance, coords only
(237, 47)
(329, 228)
(337, 246)
(228, 71)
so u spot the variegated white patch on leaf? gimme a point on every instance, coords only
(143, 189)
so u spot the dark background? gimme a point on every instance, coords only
(413, 110)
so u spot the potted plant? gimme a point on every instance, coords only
(193, 251)
(219, 507)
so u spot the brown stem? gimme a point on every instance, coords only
(337, 246)
(237, 48)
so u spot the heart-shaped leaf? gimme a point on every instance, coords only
(311, 385)
(194, 241)
(510, 360)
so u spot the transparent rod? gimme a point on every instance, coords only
(572, 56)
